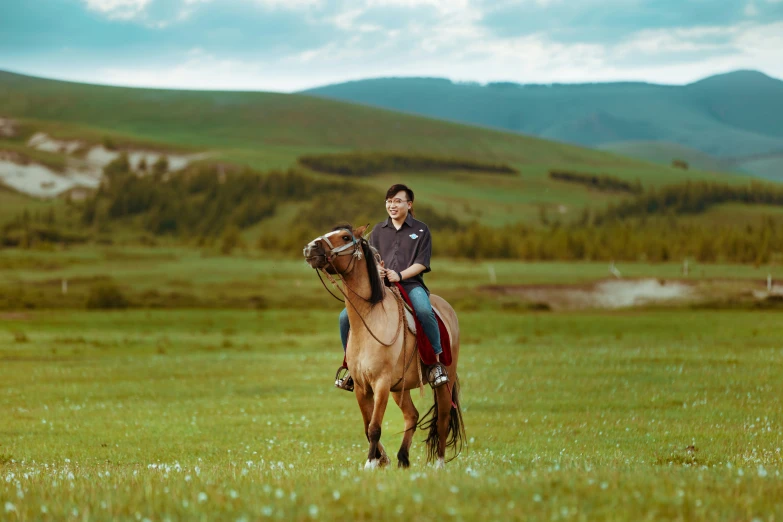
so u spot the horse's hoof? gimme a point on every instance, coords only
(371, 464)
(384, 460)
(440, 464)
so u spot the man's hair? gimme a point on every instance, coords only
(394, 189)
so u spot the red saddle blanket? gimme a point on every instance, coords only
(426, 351)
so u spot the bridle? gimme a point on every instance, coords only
(338, 252)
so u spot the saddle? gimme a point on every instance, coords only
(426, 352)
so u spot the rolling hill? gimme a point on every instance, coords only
(489, 193)
(737, 115)
(267, 130)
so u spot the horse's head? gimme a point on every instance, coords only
(337, 250)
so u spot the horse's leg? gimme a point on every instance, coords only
(444, 416)
(365, 400)
(411, 416)
(366, 405)
(374, 429)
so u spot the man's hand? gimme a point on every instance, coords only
(393, 276)
(382, 271)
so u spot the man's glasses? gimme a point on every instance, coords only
(396, 201)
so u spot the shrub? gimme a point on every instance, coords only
(231, 240)
(680, 164)
(106, 295)
(161, 166)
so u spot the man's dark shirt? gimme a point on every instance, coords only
(400, 249)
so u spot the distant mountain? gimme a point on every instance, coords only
(734, 116)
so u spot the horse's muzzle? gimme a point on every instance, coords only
(314, 255)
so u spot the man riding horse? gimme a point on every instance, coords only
(380, 354)
(405, 247)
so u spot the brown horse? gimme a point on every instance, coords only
(382, 355)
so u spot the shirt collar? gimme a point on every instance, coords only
(408, 221)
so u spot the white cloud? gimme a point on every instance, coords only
(271, 4)
(118, 9)
(289, 4)
(677, 40)
(347, 21)
(751, 9)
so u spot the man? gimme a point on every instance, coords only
(405, 246)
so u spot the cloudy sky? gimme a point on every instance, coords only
(288, 45)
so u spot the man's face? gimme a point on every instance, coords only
(398, 206)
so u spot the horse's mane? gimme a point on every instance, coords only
(377, 290)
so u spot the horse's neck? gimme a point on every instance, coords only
(358, 280)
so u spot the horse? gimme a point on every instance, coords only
(380, 350)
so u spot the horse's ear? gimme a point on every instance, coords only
(359, 231)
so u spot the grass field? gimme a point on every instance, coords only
(201, 415)
(170, 276)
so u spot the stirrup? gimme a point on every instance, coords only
(342, 380)
(437, 375)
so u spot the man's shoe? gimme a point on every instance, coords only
(437, 375)
(342, 380)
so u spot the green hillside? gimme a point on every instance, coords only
(665, 152)
(266, 130)
(732, 115)
(491, 193)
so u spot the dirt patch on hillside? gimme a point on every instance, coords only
(609, 293)
(7, 128)
(84, 165)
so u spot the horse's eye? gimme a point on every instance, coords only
(347, 238)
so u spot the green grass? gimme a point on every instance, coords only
(171, 276)
(13, 204)
(231, 415)
(736, 214)
(664, 152)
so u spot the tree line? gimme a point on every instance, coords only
(202, 201)
(358, 164)
(692, 197)
(601, 182)
(653, 240)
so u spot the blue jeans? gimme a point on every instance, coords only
(424, 312)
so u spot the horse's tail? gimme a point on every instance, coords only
(455, 436)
